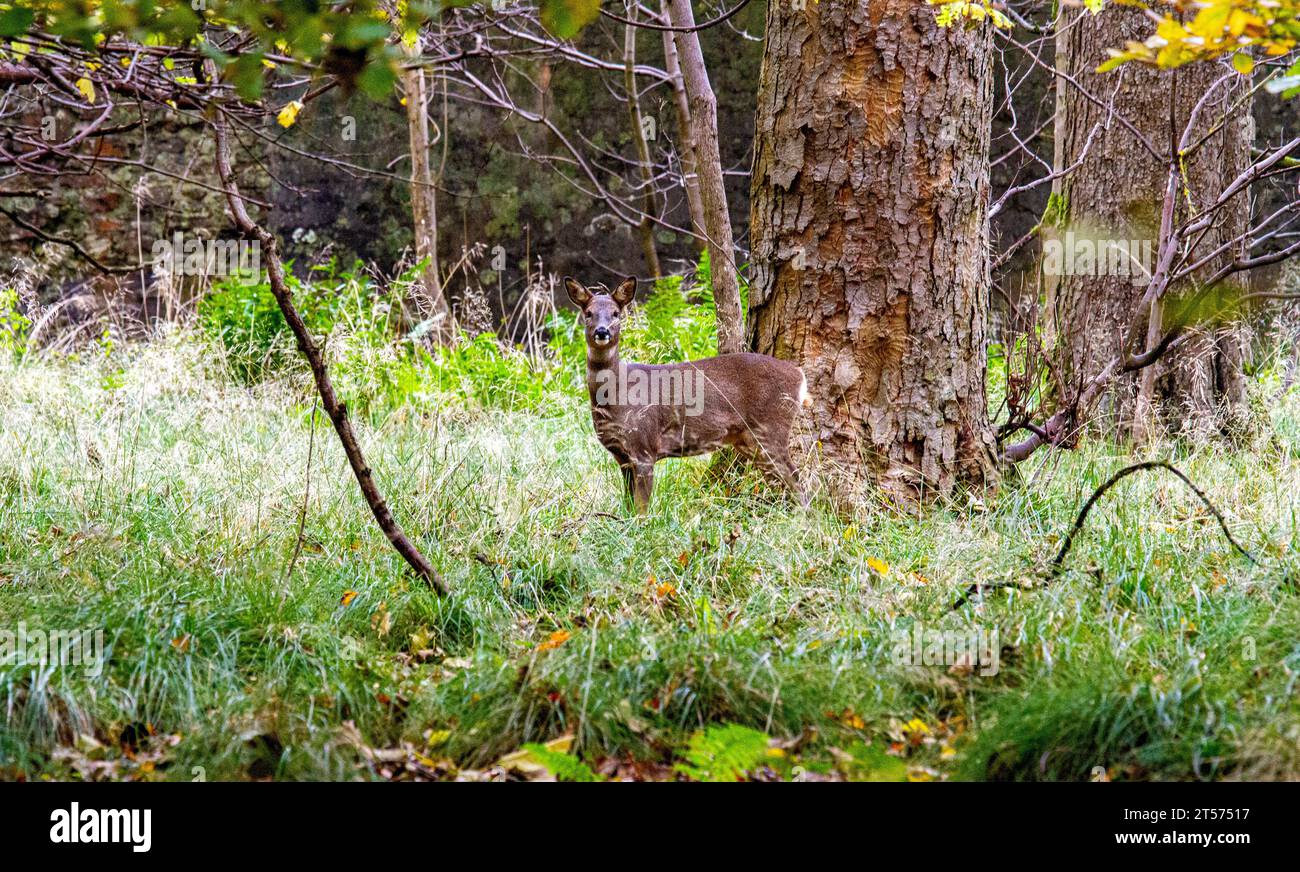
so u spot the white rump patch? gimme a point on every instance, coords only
(804, 399)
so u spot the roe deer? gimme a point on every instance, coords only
(645, 412)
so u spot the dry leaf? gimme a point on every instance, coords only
(555, 640)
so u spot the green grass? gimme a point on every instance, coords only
(146, 494)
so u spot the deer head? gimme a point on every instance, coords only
(602, 312)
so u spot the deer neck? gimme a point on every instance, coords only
(600, 360)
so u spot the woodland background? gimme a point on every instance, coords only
(180, 455)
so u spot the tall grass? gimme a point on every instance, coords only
(163, 505)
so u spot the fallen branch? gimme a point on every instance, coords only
(336, 409)
(1058, 561)
(1115, 479)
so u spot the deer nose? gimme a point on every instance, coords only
(601, 333)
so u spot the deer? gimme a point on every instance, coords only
(644, 413)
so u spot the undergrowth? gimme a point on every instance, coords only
(727, 634)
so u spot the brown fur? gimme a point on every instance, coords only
(745, 401)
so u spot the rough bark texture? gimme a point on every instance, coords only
(713, 192)
(1116, 195)
(869, 234)
(430, 303)
(685, 136)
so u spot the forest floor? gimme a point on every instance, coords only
(727, 634)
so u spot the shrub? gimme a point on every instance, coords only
(13, 324)
(244, 319)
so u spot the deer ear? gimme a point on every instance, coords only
(578, 293)
(625, 291)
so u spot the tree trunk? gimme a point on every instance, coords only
(685, 136)
(713, 193)
(430, 302)
(646, 229)
(1107, 212)
(870, 239)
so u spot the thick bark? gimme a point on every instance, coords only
(869, 232)
(646, 229)
(334, 407)
(430, 302)
(713, 193)
(1115, 198)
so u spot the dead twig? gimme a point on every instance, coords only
(306, 493)
(1054, 569)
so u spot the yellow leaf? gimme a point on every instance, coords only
(1210, 21)
(87, 89)
(555, 640)
(1243, 63)
(916, 725)
(878, 565)
(289, 114)
(1171, 30)
(348, 597)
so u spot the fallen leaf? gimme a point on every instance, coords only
(555, 640)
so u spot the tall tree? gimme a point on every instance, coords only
(685, 131)
(430, 302)
(1107, 215)
(646, 229)
(703, 106)
(869, 235)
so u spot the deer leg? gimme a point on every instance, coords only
(776, 463)
(785, 471)
(643, 482)
(628, 479)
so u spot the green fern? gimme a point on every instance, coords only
(728, 752)
(564, 767)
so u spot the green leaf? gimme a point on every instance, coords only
(865, 762)
(16, 21)
(565, 767)
(565, 18)
(1243, 63)
(377, 79)
(724, 753)
(246, 72)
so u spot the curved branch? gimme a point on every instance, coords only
(335, 408)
